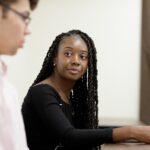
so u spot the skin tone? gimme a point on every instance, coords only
(71, 63)
(13, 28)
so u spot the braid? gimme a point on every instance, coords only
(47, 67)
(83, 96)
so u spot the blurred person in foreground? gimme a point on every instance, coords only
(14, 21)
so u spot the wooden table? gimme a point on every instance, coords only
(126, 146)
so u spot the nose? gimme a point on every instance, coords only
(75, 60)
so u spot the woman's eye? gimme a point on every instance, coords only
(84, 57)
(68, 54)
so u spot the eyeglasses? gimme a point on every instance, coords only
(25, 17)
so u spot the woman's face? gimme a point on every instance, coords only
(72, 58)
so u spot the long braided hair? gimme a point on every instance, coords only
(83, 96)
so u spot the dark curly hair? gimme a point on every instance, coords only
(84, 97)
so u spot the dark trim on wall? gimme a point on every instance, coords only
(145, 64)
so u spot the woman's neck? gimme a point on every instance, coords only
(62, 86)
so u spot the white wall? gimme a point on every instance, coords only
(115, 27)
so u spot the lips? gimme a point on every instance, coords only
(73, 70)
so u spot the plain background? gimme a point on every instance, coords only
(115, 27)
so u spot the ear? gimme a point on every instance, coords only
(55, 60)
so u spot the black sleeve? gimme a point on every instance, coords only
(48, 109)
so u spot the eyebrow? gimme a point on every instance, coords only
(81, 49)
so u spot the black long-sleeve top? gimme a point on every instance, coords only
(48, 123)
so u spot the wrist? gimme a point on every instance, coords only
(123, 133)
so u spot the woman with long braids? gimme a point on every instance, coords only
(60, 109)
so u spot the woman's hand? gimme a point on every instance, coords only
(140, 133)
